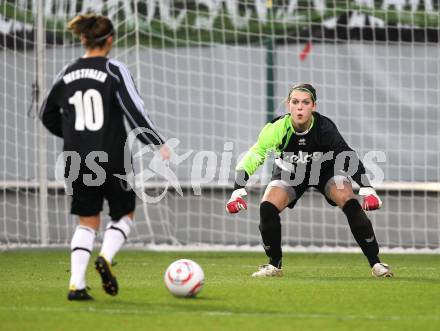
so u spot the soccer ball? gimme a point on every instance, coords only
(184, 278)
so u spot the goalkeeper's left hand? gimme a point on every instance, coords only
(371, 199)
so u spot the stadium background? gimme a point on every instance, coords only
(375, 68)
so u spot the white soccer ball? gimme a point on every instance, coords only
(184, 278)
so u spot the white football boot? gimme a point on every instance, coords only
(381, 270)
(268, 270)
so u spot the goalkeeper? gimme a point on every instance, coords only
(85, 107)
(310, 153)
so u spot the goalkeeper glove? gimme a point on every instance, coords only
(371, 199)
(236, 202)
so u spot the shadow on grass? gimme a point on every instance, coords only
(331, 278)
(202, 304)
(395, 279)
(433, 280)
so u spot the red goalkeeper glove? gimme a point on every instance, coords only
(371, 199)
(236, 202)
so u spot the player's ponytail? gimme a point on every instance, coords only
(94, 29)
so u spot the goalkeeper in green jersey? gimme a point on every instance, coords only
(310, 153)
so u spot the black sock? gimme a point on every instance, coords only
(362, 230)
(270, 228)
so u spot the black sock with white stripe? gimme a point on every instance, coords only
(362, 230)
(115, 236)
(81, 249)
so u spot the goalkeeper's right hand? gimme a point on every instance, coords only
(236, 202)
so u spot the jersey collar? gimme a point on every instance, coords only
(304, 132)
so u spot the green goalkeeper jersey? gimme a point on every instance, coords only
(300, 148)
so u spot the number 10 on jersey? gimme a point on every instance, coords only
(89, 110)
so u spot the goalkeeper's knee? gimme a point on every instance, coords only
(356, 216)
(269, 218)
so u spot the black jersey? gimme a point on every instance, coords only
(86, 105)
(322, 143)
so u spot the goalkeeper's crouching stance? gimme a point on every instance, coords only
(307, 145)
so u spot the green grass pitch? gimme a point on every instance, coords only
(317, 292)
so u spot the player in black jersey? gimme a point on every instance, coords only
(311, 153)
(85, 107)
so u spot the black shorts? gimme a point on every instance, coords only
(298, 190)
(88, 200)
